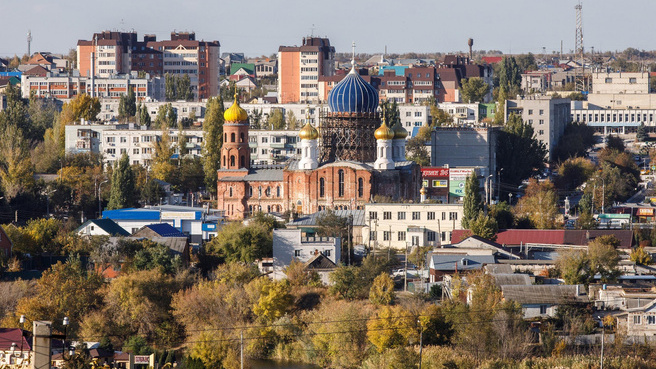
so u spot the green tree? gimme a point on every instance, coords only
(472, 203)
(416, 147)
(499, 113)
(236, 242)
(143, 116)
(42, 113)
(292, 122)
(440, 117)
(212, 141)
(16, 113)
(170, 87)
(166, 116)
(484, 226)
(508, 75)
(273, 299)
(382, 290)
(640, 256)
(391, 328)
(604, 258)
(276, 120)
(502, 214)
(641, 136)
(183, 89)
(122, 193)
(521, 154)
(526, 62)
(474, 89)
(574, 172)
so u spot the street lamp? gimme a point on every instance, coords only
(71, 349)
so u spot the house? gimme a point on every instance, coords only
(478, 245)
(322, 266)
(309, 224)
(640, 321)
(101, 227)
(15, 347)
(447, 264)
(540, 301)
(288, 245)
(621, 297)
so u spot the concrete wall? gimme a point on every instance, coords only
(464, 147)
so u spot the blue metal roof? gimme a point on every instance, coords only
(165, 230)
(399, 70)
(353, 95)
(131, 214)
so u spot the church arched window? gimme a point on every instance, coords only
(340, 179)
(322, 187)
(241, 137)
(229, 191)
(224, 161)
(277, 191)
(360, 187)
(232, 137)
(232, 160)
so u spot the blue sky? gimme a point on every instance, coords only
(258, 27)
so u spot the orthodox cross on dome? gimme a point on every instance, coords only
(353, 57)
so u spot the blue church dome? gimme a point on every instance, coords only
(353, 95)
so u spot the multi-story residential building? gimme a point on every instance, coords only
(300, 67)
(64, 86)
(462, 113)
(288, 245)
(547, 116)
(111, 53)
(112, 141)
(183, 109)
(398, 225)
(271, 147)
(546, 80)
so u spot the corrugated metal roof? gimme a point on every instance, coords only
(551, 236)
(310, 220)
(106, 225)
(320, 262)
(131, 213)
(165, 230)
(264, 175)
(511, 279)
(545, 294)
(448, 262)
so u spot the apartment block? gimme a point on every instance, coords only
(547, 116)
(299, 69)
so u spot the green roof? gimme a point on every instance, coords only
(249, 67)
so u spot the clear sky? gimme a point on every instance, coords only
(258, 27)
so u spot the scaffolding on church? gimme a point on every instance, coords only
(347, 136)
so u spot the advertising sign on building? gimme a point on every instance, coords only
(457, 179)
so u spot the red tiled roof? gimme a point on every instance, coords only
(492, 59)
(12, 335)
(551, 236)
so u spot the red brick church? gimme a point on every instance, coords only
(344, 163)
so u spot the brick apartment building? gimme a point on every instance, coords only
(301, 67)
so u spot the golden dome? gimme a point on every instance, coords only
(308, 132)
(384, 132)
(235, 113)
(399, 131)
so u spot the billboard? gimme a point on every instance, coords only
(457, 179)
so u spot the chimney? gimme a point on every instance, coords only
(41, 344)
(470, 42)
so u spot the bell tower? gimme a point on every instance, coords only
(235, 153)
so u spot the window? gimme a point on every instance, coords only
(229, 191)
(340, 178)
(401, 235)
(608, 80)
(636, 319)
(416, 215)
(530, 111)
(651, 319)
(400, 215)
(386, 235)
(431, 215)
(453, 215)
(373, 215)
(633, 80)
(443, 215)
(543, 309)
(387, 215)
(360, 187)
(541, 112)
(322, 187)
(372, 235)
(415, 240)
(431, 236)
(326, 253)
(297, 253)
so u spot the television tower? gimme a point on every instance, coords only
(581, 84)
(29, 42)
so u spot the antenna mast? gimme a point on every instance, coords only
(29, 42)
(581, 84)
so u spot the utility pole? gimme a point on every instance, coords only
(421, 342)
(241, 338)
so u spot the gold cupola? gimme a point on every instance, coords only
(384, 132)
(399, 131)
(308, 132)
(235, 113)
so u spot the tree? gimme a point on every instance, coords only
(440, 117)
(640, 256)
(484, 226)
(539, 204)
(391, 328)
(42, 113)
(183, 88)
(576, 140)
(472, 203)
(276, 120)
(166, 116)
(162, 167)
(509, 75)
(66, 289)
(604, 258)
(212, 141)
(500, 113)
(170, 87)
(573, 172)
(641, 135)
(82, 106)
(518, 137)
(16, 171)
(502, 214)
(16, 113)
(237, 242)
(382, 290)
(474, 90)
(143, 115)
(416, 147)
(122, 194)
(526, 62)
(292, 122)
(273, 299)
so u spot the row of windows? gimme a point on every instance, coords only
(530, 112)
(416, 215)
(608, 117)
(401, 236)
(340, 185)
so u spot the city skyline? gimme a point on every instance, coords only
(511, 26)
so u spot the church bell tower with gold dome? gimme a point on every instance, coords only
(235, 153)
